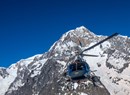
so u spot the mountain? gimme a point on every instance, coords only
(42, 74)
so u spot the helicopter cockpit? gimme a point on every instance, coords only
(78, 69)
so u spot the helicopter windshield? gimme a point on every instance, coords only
(79, 66)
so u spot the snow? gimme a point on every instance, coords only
(122, 88)
(62, 62)
(26, 62)
(71, 44)
(37, 69)
(12, 70)
(2, 68)
(83, 93)
(75, 85)
(64, 35)
(116, 63)
(16, 85)
(123, 36)
(5, 83)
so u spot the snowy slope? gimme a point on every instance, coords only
(42, 74)
(12, 72)
(6, 81)
(116, 83)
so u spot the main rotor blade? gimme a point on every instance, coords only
(90, 55)
(109, 37)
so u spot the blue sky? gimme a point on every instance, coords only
(29, 27)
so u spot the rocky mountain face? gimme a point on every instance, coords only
(43, 74)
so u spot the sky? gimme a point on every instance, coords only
(30, 27)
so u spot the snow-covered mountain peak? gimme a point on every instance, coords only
(79, 37)
(84, 30)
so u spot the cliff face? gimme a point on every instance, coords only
(43, 74)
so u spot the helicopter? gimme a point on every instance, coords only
(79, 69)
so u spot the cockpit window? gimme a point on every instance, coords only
(75, 67)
